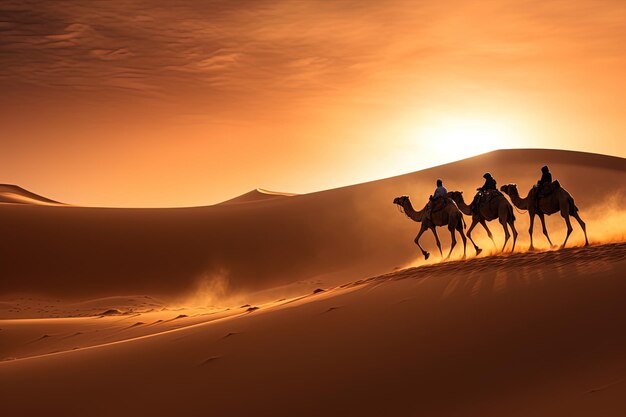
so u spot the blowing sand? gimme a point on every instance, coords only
(286, 306)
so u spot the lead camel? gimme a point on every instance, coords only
(450, 216)
(557, 201)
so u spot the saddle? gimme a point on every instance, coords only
(546, 189)
(438, 204)
(486, 196)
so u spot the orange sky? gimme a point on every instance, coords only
(135, 103)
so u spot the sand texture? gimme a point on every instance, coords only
(316, 304)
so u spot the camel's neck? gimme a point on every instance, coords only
(519, 202)
(465, 209)
(412, 213)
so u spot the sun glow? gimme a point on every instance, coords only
(457, 138)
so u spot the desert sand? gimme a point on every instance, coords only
(316, 304)
(258, 194)
(13, 194)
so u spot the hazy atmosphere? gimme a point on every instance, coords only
(329, 208)
(144, 104)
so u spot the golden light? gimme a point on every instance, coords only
(453, 138)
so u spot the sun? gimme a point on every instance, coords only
(456, 138)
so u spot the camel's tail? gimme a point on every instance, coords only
(511, 213)
(463, 220)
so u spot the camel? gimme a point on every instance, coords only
(558, 201)
(449, 216)
(498, 208)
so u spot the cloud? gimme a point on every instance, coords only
(247, 54)
(214, 46)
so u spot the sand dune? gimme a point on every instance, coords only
(536, 334)
(270, 305)
(257, 194)
(301, 242)
(13, 194)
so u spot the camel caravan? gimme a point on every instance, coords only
(446, 208)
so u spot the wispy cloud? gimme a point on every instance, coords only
(208, 46)
(199, 79)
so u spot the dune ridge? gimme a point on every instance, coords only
(14, 194)
(256, 195)
(328, 237)
(319, 303)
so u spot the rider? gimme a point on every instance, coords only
(440, 192)
(546, 177)
(489, 185)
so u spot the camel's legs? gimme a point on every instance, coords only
(582, 225)
(453, 242)
(434, 229)
(512, 224)
(565, 215)
(484, 224)
(460, 229)
(530, 229)
(543, 226)
(507, 235)
(469, 235)
(417, 242)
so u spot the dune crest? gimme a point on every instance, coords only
(258, 194)
(308, 296)
(13, 194)
(310, 241)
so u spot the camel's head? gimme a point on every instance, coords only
(401, 200)
(509, 188)
(455, 195)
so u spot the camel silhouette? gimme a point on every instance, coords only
(450, 216)
(558, 201)
(497, 208)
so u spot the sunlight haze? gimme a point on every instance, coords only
(194, 104)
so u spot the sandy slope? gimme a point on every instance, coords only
(258, 194)
(211, 310)
(533, 334)
(12, 194)
(301, 242)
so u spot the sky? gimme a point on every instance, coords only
(161, 104)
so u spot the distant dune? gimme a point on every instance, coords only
(13, 194)
(258, 194)
(305, 240)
